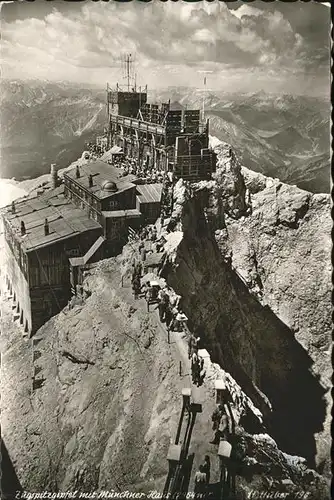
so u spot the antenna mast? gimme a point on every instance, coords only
(203, 106)
(128, 69)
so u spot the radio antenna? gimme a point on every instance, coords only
(128, 61)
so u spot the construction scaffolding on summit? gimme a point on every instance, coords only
(156, 137)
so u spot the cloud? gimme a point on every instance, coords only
(171, 41)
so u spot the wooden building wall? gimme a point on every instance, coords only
(82, 199)
(195, 168)
(116, 228)
(126, 103)
(150, 211)
(49, 275)
(125, 200)
(19, 285)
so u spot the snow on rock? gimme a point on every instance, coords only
(173, 240)
(10, 190)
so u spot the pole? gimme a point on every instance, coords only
(203, 113)
(180, 369)
(168, 335)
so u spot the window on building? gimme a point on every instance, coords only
(115, 227)
(74, 252)
(113, 205)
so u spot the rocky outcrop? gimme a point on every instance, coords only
(229, 188)
(110, 400)
(110, 403)
(249, 256)
(264, 307)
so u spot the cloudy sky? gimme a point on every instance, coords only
(274, 46)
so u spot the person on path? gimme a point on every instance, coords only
(163, 304)
(202, 371)
(149, 294)
(139, 268)
(200, 482)
(143, 253)
(195, 369)
(136, 286)
(221, 427)
(216, 416)
(207, 468)
(181, 321)
(193, 345)
(154, 234)
(174, 312)
(168, 315)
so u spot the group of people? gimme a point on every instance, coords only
(220, 424)
(141, 171)
(167, 199)
(197, 362)
(96, 150)
(156, 244)
(149, 233)
(170, 312)
(221, 427)
(168, 302)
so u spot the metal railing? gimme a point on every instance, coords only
(138, 124)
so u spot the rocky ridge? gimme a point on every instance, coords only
(275, 239)
(90, 427)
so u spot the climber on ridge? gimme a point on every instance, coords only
(163, 304)
(200, 482)
(193, 345)
(220, 424)
(196, 366)
(206, 468)
(136, 286)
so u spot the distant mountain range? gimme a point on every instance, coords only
(44, 123)
(281, 136)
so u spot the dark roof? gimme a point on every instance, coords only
(133, 212)
(65, 220)
(101, 173)
(149, 193)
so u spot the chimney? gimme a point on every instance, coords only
(77, 172)
(46, 227)
(23, 228)
(13, 207)
(53, 175)
(90, 180)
